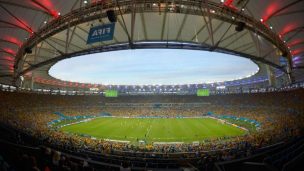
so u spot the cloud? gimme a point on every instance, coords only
(153, 66)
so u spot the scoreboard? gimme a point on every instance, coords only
(111, 93)
(202, 92)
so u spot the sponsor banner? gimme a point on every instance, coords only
(101, 33)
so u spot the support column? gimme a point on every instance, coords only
(290, 76)
(271, 76)
(32, 81)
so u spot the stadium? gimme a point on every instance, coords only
(151, 85)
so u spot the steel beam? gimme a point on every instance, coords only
(7, 41)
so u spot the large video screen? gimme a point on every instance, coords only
(111, 93)
(202, 92)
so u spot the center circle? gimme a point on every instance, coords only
(154, 66)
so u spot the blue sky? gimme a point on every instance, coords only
(153, 66)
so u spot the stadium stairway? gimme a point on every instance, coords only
(281, 156)
(278, 160)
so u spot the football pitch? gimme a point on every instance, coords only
(154, 129)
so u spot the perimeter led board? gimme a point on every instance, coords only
(202, 92)
(111, 93)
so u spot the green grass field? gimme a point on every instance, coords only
(155, 129)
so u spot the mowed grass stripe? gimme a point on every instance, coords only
(155, 129)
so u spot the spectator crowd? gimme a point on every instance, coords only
(280, 114)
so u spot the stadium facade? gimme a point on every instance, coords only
(252, 123)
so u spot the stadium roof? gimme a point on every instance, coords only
(54, 30)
